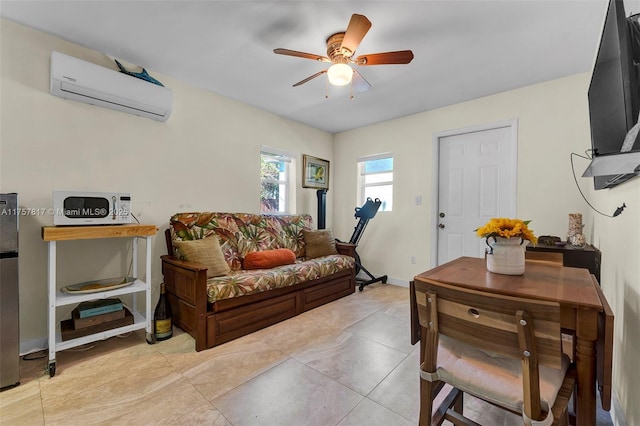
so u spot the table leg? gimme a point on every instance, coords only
(586, 337)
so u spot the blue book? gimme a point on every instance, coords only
(98, 307)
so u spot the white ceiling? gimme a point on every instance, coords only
(463, 49)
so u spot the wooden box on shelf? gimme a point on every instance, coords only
(69, 332)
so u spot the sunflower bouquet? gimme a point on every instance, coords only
(507, 228)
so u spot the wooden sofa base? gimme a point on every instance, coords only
(227, 319)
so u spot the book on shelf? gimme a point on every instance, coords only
(95, 319)
(98, 307)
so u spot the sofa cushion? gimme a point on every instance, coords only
(319, 243)
(268, 259)
(465, 367)
(206, 252)
(240, 283)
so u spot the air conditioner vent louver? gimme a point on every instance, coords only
(72, 78)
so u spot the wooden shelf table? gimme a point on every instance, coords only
(53, 234)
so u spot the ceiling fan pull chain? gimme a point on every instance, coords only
(326, 89)
(351, 90)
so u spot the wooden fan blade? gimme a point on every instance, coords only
(304, 55)
(357, 29)
(360, 84)
(399, 57)
(309, 78)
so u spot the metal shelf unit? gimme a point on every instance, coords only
(53, 234)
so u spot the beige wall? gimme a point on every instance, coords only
(619, 240)
(186, 164)
(552, 122)
(205, 157)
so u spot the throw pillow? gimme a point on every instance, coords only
(319, 243)
(266, 259)
(207, 252)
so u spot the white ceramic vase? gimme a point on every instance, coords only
(506, 255)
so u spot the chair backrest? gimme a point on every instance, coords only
(545, 257)
(500, 324)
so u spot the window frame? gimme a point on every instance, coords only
(362, 174)
(286, 191)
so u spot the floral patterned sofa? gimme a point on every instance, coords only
(217, 294)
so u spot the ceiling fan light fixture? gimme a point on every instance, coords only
(341, 48)
(340, 74)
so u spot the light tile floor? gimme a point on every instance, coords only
(348, 363)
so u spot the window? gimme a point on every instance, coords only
(375, 180)
(275, 181)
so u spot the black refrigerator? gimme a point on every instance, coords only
(9, 300)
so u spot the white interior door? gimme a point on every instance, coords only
(476, 181)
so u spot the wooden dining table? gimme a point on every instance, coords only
(585, 314)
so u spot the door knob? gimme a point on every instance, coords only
(441, 226)
(442, 214)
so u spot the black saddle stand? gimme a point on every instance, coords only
(365, 213)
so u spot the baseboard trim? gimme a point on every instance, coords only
(617, 414)
(34, 345)
(398, 282)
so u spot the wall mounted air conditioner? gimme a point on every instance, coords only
(72, 78)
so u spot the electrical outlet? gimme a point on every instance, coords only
(413, 260)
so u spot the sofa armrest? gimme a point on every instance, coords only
(186, 286)
(183, 264)
(347, 249)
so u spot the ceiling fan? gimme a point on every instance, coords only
(341, 48)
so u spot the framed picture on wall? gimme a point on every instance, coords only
(315, 172)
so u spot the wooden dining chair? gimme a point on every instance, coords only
(554, 259)
(503, 350)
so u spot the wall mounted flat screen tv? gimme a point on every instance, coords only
(614, 99)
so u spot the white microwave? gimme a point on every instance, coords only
(91, 208)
